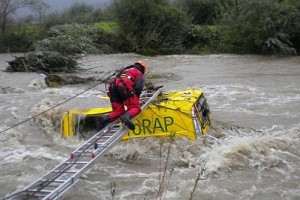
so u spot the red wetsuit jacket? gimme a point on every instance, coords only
(125, 91)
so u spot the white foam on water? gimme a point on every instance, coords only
(47, 121)
(240, 161)
(17, 156)
(38, 83)
(148, 187)
(234, 98)
(256, 151)
(11, 137)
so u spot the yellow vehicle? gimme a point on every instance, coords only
(171, 114)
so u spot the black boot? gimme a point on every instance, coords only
(102, 121)
(126, 119)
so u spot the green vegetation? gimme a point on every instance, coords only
(159, 27)
(106, 26)
(202, 39)
(201, 11)
(150, 27)
(258, 26)
(70, 39)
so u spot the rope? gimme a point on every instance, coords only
(45, 183)
(59, 104)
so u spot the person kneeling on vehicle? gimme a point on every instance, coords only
(125, 90)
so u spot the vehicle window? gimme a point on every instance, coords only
(203, 108)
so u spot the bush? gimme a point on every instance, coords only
(202, 39)
(256, 26)
(63, 45)
(20, 39)
(51, 61)
(151, 27)
(201, 11)
(71, 39)
(46, 61)
(106, 26)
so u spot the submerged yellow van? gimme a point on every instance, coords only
(171, 114)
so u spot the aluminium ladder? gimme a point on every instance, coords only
(65, 177)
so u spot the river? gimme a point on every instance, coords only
(252, 151)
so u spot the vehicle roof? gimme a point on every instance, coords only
(180, 99)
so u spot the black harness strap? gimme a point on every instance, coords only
(117, 93)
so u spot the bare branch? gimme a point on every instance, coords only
(8, 7)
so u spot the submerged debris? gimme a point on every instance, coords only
(48, 61)
(55, 80)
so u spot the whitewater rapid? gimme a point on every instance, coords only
(252, 150)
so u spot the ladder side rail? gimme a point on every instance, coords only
(98, 153)
(62, 194)
(76, 177)
(39, 184)
(68, 183)
(108, 144)
(105, 147)
(60, 189)
(63, 188)
(95, 137)
(51, 176)
(88, 145)
(158, 92)
(91, 141)
(67, 164)
(107, 128)
(118, 135)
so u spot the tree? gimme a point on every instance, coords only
(258, 26)
(201, 11)
(151, 27)
(8, 7)
(80, 13)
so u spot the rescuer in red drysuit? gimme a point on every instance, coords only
(125, 90)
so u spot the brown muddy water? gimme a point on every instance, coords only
(252, 151)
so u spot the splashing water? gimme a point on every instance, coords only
(251, 152)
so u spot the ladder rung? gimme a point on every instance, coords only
(101, 141)
(54, 181)
(100, 144)
(76, 154)
(36, 195)
(106, 136)
(40, 191)
(82, 151)
(103, 138)
(53, 187)
(58, 171)
(79, 162)
(39, 195)
(61, 181)
(111, 132)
